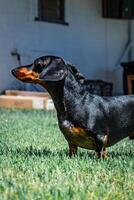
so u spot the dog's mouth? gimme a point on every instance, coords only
(25, 75)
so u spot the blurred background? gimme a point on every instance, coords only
(94, 35)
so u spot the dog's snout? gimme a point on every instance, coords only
(14, 72)
(20, 71)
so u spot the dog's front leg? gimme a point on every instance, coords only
(101, 141)
(102, 153)
(72, 150)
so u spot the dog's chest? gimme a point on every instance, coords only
(77, 136)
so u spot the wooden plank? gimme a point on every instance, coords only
(9, 102)
(49, 104)
(26, 93)
(26, 99)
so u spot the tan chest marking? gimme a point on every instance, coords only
(78, 131)
(80, 137)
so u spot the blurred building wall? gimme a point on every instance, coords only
(92, 43)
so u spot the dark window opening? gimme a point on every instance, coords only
(51, 11)
(120, 9)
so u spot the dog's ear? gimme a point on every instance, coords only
(55, 71)
(78, 75)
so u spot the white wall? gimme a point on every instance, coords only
(90, 42)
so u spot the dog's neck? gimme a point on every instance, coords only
(56, 92)
(65, 93)
(73, 91)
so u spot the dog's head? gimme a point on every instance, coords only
(44, 69)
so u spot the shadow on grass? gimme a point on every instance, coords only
(116, 154)
(31, 151)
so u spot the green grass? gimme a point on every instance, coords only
(34, 163)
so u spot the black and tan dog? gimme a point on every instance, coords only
(86, 120)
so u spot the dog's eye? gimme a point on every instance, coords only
(38, 68)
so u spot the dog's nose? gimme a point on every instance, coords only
(14, 72)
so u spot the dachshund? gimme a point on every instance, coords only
(86, 120)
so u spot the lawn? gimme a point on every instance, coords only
(34, 163)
